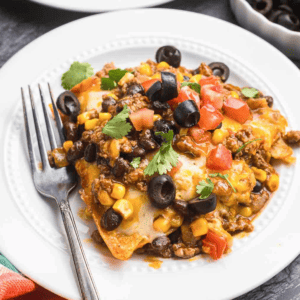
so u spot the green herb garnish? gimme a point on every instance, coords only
(193, 85)
(250, 92)
(224, 177)
(118, 127)
(77, 73)
(205, 188)
(247, 143)
(165, 158)
(114, 76)
(136, 162)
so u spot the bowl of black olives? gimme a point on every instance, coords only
(277, 21)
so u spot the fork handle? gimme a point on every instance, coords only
(86, 283)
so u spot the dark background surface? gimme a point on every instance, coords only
(22, 21)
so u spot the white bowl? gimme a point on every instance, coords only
(287, 41)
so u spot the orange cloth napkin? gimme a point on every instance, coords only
(15, 286)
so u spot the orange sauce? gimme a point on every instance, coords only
(154, 262)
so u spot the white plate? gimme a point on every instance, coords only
(93, 6)
(31, 234)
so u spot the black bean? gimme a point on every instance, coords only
(70, 131)
(110, 220)
(161, 243)
(257, 188)
(120, 168)
(107, 102)
(269, 100)
(90, 152)
(80, 129)
(159, 107)
(134, 89)
(146, 140)
(75, 152)
(102, 161)
(175, 236)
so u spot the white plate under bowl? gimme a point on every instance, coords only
(94, 6)
(31, 232)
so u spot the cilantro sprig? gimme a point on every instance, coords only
(250, 92)
(136, 162)
(224, 176)
(205, 188)
(77, 73)
(165, 158)
(247, 143)
(118, 127)
(193, 85)
(114, 76)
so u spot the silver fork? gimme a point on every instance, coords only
(57, 184)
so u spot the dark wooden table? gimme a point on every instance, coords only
(22, 21)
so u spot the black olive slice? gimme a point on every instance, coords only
(187, 114)
(161, 191)
(182, 207)
(203, 206)
(134, 89)
(289, 21)
(68, 104)
(153, 92)
(263, 6)
(257, 188)
(169, 54)
(110, 220)
(220, 69)
(107, 102)
(90, 152)
(169, 88)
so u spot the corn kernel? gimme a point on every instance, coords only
(114, 149)
(234, 94)
(60, 157)
(91, 124)
(156, 76)
(118, 191)
(82, 118)
(176, 221)
(124, 208)
(67, 145)
(162, 65)
(145, 69)
(180, 77)
(113, 96)
(246, 212)
(183, 131)
(259, 174)
(156, 117)
(219, 136)
(162, 224)
(196, 78)
(273, 182)
(199, 227)
(105, 199)
(104, 116)
(126, 78)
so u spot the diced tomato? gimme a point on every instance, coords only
(142, 119)
(219, 158)
(216, 243)
(199, 135)
(210, 117)
(236, 109)
(209, 80)
(147, 84)
(175, 169)
(212, 94)
(186, 93)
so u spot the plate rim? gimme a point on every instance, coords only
(6, 70)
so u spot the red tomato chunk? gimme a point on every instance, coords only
(147, 84)
(216, 243)
(210, 117)
(185, 93)
(209, 80)
(219, 158)
(142, 119)
(236, 109)
(212, 94)
(199, 135)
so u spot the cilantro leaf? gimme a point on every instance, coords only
(205, 188)
(250, 92)
(224, 177)
(77, 73)
(166, 158)
(117, 127)
(116, 74)
(107, 84)
(136, 162)
(193, 85)
(247, 143)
